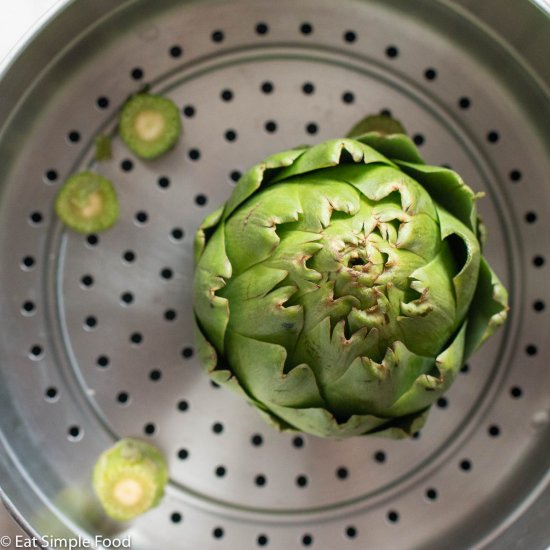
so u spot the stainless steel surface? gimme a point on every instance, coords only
(15, 22)
(89, 349)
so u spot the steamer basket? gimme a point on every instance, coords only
(97, 337)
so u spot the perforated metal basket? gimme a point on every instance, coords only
(97, 332)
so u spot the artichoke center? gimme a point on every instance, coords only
(128, 492)
(149, 124)
(89, 205)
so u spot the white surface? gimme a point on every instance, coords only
(16, 18)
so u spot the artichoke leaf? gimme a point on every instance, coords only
(201, 236)
(320, 422)
(259, 367)
(465, 280)
(323, 424)
(209, 361)
(320, 198)
(213, 270)
(331, 354)
(376, 182)
(428, 321)
(294, 250)
(382, 316)
(257, 306)
(267, 318)
(278, 423)
(400, 263)
(208, 357)
(489, 308)
(403, 427)
(419, 235)
(427, 388)
(255, 283)
(379, 185)
(258, 176)
(368, 387)
(447, 188)
(397, 147)
(417, 216)
(251, 233)
(322, 303)
(331, 153)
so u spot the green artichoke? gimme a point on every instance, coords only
(341, 287)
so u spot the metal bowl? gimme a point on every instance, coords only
(97, 338)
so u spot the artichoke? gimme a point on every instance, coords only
(342, 286)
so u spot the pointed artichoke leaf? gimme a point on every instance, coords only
(321, 312)
(278, 423)
(258, 176)
(397, 267)
(208, 357)
(390, 195)
(397, 147)
(258, 306)
(259, 367)
(295, 249)
(381, 317)
(377, 182)
(251, 232)
(482, 233)
(467, 254)
(489, 308)
(428, 321)
(209, 361)
(343, 351)
(331, 153)
(204, 231)
(321, 303)
(447, 188)
(368, 387)
(403, 426)
(320, 422)
(419, 235)
(252, 284)
(213, 270)
(387, 188)
(314, 345)
(268, 318)
(427, 388)
(320, 198)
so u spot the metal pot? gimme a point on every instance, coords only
(97, 338)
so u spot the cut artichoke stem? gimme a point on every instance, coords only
(129, 479)
(149, 125)
(381, 124)
(87, 203)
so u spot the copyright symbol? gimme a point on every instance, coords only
(5, 542)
